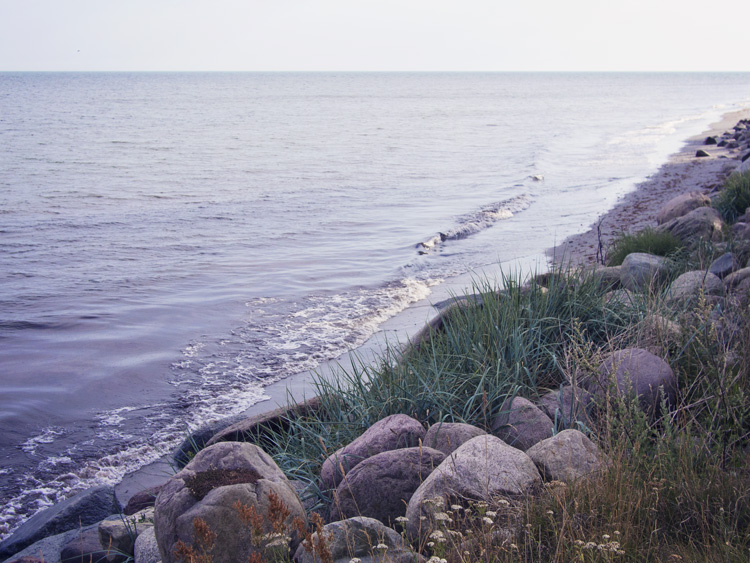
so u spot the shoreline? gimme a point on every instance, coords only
(681, 173)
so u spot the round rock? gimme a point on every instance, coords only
(448, 436)
(391, 433)
(380, 487)
(482, 468)
(567, 456)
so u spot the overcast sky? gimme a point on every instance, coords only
(365, 35)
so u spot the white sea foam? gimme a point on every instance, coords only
(478, 221)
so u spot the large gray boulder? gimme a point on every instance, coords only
(681, 205)
(381, 486)
(641, 271)
(117, 534)
(49, 549)
(146, 549)
(609, 276)
(482, 468)
(448, 436)
(86, 547)
(567, 456)
(391, 433)
(363, 538)
(691, 284)
(87, 507)
(521, 424)
(209, 489)
(566, 406)
(736, 278)
(638, 371)
(724, 265)
(702, 223)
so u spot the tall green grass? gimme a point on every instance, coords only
(648, 241)
(511, 341)
(734, 199)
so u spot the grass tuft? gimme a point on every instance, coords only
(648, 241)
(734, 199)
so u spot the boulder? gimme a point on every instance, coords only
(701, 153)
(682, 205)
(85, 547)
(567, 456)
(710, 140)
(146, 550)
(521, 424)
(208, 491)
(609, 276)
(87, 507)
(117, 534)
(566, 406)
(638, 371)
(142, 500)
(690, 284)
(49, 549)
(481, 469)
(362, 538)
(199, 439)
(641, 271)
(734, 279)
(724, 265)
(247, 429)
(381, 486)
(391, 433)
(447, 436)
(702, 223)
(741, 292)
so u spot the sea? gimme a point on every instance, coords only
(171, 244)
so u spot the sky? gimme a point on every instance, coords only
(381, 35)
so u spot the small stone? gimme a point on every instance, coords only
(701, 153)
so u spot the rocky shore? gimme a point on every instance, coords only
(397, 484)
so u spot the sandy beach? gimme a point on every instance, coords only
(682, 173)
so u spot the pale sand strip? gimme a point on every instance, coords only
(684, 172)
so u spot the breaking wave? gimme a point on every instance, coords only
(478, 221)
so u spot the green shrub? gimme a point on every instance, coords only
(734, 199)
(648, 240)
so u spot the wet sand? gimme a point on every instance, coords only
(684, 172)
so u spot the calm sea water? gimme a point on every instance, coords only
(171, 243)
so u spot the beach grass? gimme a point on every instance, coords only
(734, 199)
(677, 488)
(648, 241)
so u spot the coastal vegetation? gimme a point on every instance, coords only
(648, 240)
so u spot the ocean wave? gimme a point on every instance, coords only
(478, 221)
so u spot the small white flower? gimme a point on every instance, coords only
(442, 517)
(456, 507)
(487, 520)
(381, 547)
(606, 536)
(402, 519)
(491, 513)
(355, 560)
